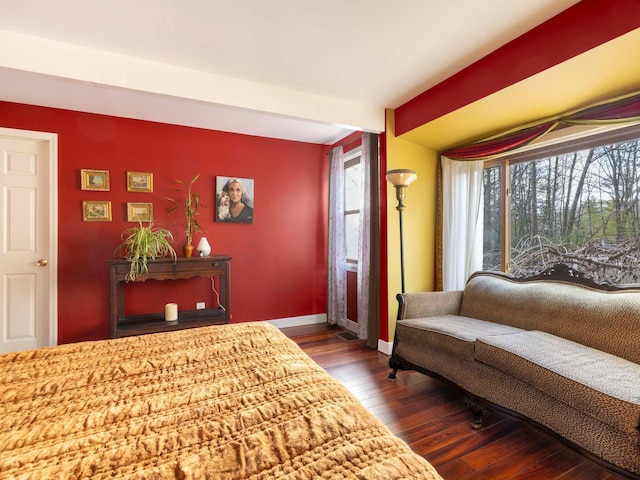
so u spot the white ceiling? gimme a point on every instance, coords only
(302, 70)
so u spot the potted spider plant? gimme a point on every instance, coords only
(190, 207)
(143, 243)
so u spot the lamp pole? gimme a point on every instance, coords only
(401, 179)
(400, 196)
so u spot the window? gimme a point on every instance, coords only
(352, 203)
(576, 202)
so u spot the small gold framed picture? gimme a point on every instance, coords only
(139, 212)
(95, 180)
(139, 182)
(96, 211)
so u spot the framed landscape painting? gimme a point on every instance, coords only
(139, 182)
(97, 180)
(96, 211)
(139, 212)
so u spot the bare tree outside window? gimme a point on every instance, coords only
(492, 244)
(581, 208)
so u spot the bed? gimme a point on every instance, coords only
(221, 402)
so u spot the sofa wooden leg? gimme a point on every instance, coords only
(394, 365)
(478, 413)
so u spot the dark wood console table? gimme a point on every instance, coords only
(122, 325)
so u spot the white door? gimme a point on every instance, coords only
(28, 256)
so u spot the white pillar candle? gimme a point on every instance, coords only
(171, 312)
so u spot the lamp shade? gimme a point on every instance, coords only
(402, 177)
(203, 248)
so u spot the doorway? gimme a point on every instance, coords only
(28, 240)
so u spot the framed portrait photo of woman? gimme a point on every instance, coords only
(234, 200)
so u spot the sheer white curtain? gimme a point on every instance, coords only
(336, 275)
(364, 240)
(462, 222)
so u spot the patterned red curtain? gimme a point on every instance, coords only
(490, 148)
(620, 110)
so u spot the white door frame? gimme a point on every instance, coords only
(52, 267)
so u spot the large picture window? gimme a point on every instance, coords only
(578, 204)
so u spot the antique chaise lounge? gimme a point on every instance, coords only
(555, 348)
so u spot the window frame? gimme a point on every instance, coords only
(352, 158)
(561, 141)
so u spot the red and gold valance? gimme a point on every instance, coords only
(624, 109)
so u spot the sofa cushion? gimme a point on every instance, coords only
(607, 321)
(450, 333)
(594, 382)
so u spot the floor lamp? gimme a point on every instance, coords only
(401, 179)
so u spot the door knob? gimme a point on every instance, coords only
(42, 262)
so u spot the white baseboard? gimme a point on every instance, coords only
(351, 326)
(299, 321)
(385, 347)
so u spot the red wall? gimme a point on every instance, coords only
(279, 262)
(352, 296)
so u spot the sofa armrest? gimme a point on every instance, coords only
(428, 304)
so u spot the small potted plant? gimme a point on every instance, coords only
(142, 243)
(190, 207)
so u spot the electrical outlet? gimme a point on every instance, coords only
(200, 306)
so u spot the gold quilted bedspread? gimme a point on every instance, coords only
(221, 402)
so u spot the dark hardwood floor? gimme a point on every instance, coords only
(433, 419)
